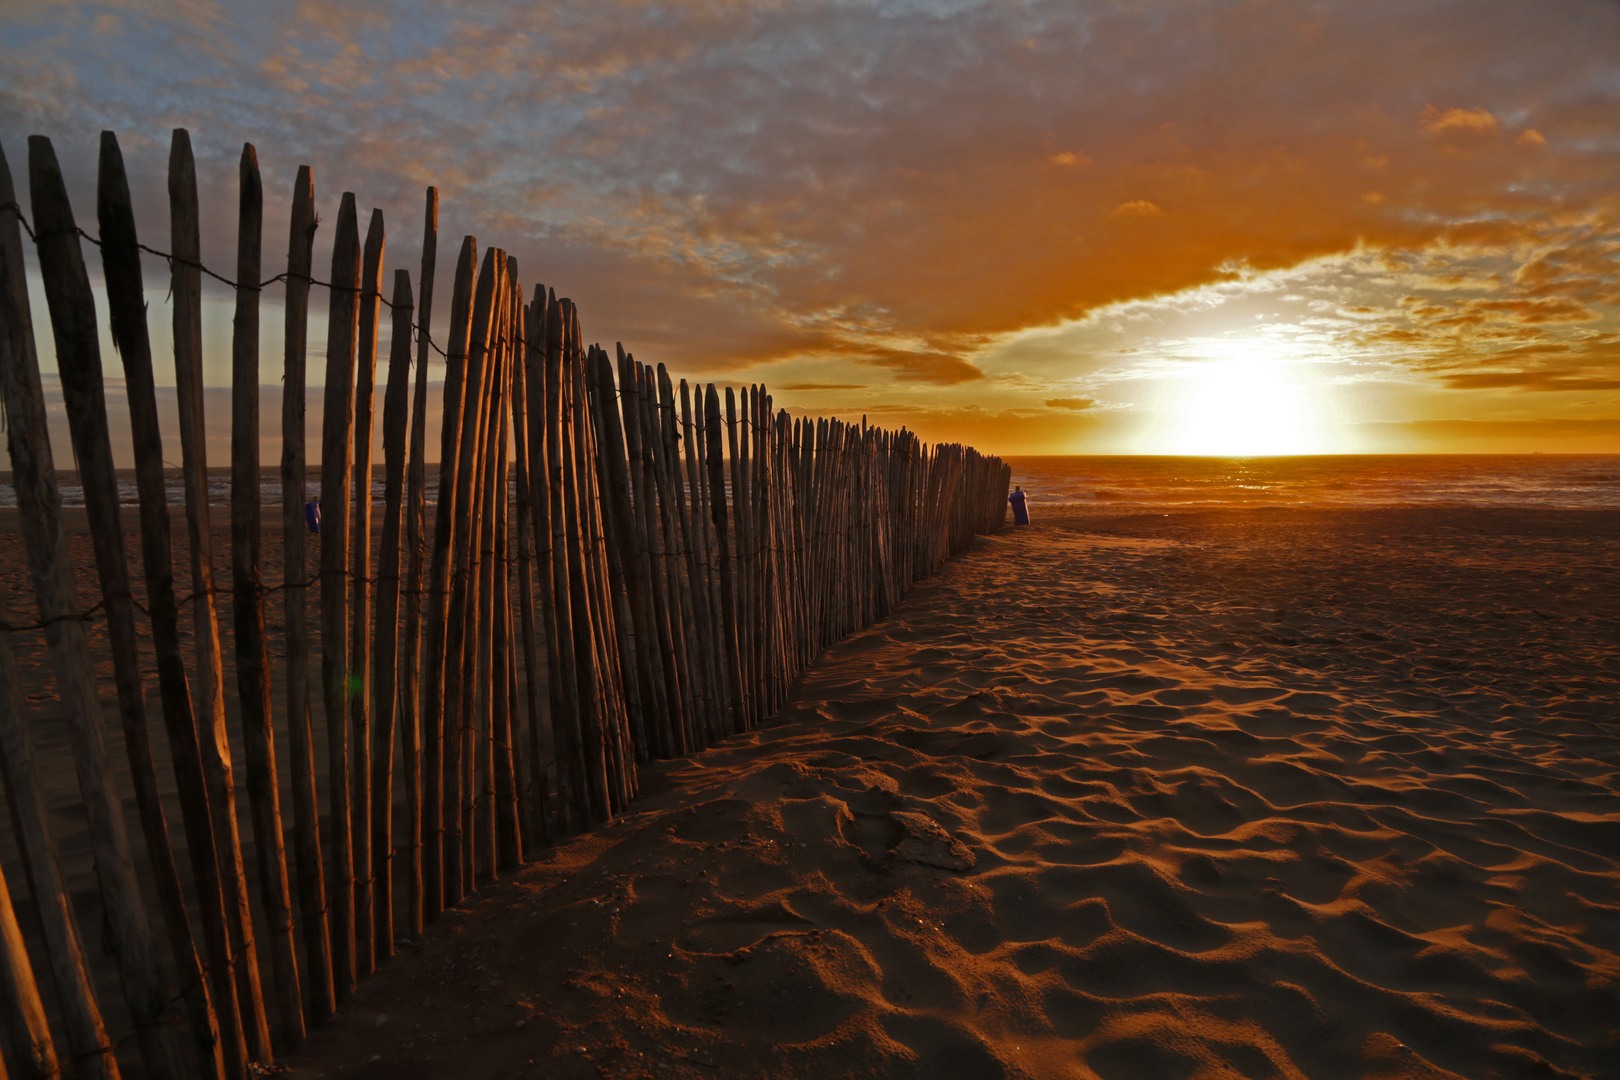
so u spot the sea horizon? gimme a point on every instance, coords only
(1551, 481)
(1344, 480)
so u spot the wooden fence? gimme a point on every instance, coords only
(617, 567)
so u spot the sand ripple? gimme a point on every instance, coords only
(1249, 795)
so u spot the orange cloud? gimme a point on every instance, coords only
(1530, 380)
(1136, 208)
(1476, 121)
(1480, 311)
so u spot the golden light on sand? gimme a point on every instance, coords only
(1246, 400)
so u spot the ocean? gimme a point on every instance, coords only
(1560, 481)
(1553, 481)
(219, 488)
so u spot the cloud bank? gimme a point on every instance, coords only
(937, 204)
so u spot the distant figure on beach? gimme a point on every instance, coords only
(1020, 505)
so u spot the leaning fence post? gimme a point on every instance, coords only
(252, 661)
(185, 276)
(33, 475)
(359, 682)
(464, 557)
(504, 746)
(530, 500)
(546, 442)
(300, 738)
(478, 809)
(385, 688)
(410, 651)
(434, 656)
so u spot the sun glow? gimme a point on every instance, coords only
(1245, 401)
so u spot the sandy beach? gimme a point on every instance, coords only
(1221, 794)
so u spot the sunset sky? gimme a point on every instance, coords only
(1039, 227)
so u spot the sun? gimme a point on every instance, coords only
(1246, 400)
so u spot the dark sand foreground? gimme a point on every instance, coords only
(1240, 794)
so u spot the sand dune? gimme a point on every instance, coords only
(1259, 794)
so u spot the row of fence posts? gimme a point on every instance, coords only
(617, 568)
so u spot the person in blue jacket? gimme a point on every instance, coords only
(1020, 505)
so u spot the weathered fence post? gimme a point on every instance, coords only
(504, 744)
(252, 661)
(385, 689)
(185, 276)
(300, 737)
(480, 691)
(435, 659)
(464, 557)
(360, 587)
(33, 475)
(528, 506)
(337, 448)
(410, 649)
